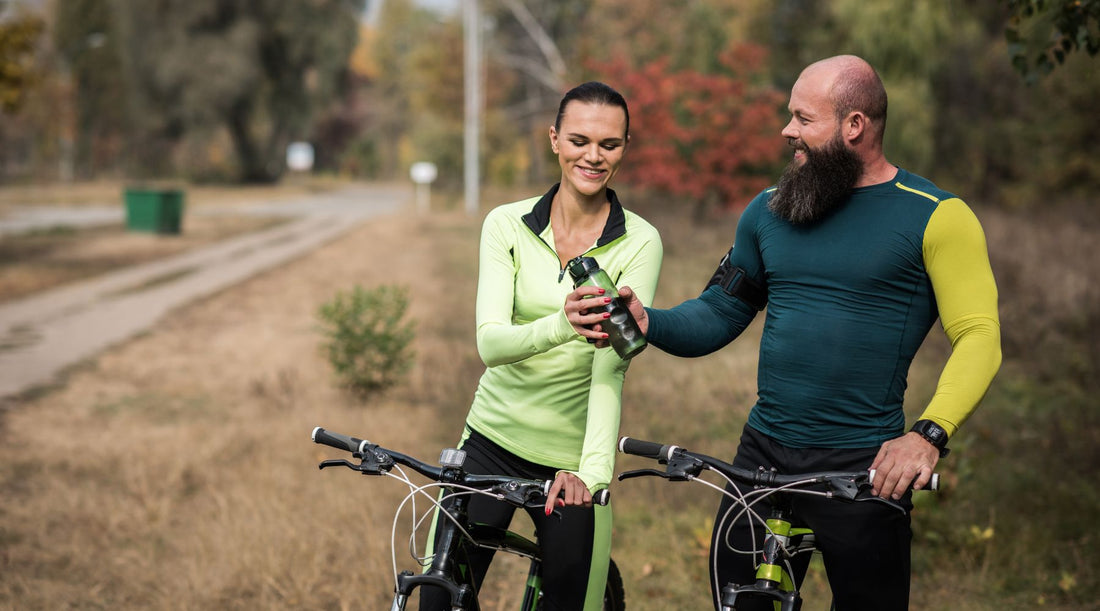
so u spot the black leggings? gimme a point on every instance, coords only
(865, 545)
(565, 542)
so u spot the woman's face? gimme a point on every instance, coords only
(589, 145)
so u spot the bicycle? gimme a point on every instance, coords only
(454, 535)
(782, 542)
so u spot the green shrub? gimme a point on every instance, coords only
(366, 340)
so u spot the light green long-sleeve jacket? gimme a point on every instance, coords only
(547, 395)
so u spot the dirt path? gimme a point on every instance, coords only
(43, 334)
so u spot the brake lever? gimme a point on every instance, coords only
(338, 463)
(864, 495)
(643, 473)
(365, 467)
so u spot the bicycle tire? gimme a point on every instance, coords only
(614, 594)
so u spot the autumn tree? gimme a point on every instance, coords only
(711, 139)
(18, 37)
(256, 71)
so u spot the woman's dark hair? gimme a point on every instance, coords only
(593, 92)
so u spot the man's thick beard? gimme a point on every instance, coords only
(808, 192)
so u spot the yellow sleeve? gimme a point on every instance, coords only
(957, 261)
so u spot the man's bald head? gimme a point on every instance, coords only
(854, 86)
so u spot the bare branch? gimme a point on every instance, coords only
(543, 41)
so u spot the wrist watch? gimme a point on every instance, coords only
(933, 433)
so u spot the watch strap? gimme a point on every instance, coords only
(933, 433)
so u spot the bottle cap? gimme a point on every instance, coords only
(582, 266)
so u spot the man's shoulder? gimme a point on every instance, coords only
(920, 186)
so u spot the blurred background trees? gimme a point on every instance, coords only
(990, 97)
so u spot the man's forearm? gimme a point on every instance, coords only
(698, 326)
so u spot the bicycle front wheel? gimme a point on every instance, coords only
(614, 595)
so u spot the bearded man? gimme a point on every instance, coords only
(854, 259)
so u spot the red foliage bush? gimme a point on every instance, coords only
(703, 137)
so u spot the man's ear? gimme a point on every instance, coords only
(856, 126)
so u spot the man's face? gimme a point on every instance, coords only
(817, 181)
(813, 121)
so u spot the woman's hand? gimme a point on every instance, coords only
(586, 322)
(571, 490)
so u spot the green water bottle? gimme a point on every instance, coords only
(621, 328)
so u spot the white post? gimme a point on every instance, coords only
(472, 77)
(423, 173)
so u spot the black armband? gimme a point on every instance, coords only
(736, 282)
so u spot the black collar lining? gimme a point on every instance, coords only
(538, 219)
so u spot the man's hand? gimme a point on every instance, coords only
(637, 310)
(905, 462)
(572, 490)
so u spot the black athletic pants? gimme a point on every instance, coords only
(565, 541)
(865, 545)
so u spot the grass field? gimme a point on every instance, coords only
(175, 471)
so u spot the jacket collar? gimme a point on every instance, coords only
(538, 219)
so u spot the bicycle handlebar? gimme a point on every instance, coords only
(376, 460)
(683, 464)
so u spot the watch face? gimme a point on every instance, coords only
(933, 432)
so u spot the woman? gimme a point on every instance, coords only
(547, 406)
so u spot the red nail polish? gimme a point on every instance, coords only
(602, 291)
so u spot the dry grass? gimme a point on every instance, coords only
(174, 472)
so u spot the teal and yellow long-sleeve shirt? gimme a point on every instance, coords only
(547, 395)
(850, 299)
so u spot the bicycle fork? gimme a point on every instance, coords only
(443, 564)
(773, 580)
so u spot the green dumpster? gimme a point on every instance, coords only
(154, 210)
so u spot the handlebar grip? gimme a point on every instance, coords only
(336, 440)
(933, 483)
(602, 496)
(648, 449)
